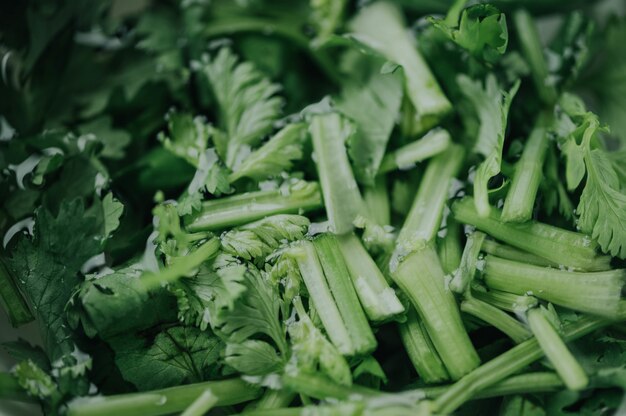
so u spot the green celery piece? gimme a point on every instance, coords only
(560, 246)
(319, 292)
(555, 349)
(340, 283)
(376, 199)
(506, 365)
(381, 27)
(496, 318)
(505, 301)
(272, 399)
(431, 144)
(164, 401)
(532, 50)
(421, 277)
(13, 302)
(240, 209)
(597, 293)
(378, 299)
(342, 198)
(449, 247)
(520, 198)
(205, 402)
(510, 253)
(467, 268)
(421, 350)
(424, 218)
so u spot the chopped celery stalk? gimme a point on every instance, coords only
(376, 199)
(506, 365)
(520, 198)
(378, 299)
(205, 401)
(340, 283)
(533, 52)
(421, 350)
(469, 261)
(381, 27)
(511, 253)
(597, 293)
(560, 246)
(505, 301)
(319, 292)
(164, 401)
(13, 302)
(342, 198)
(424, 218)
(421, 277)
(557, 352)
(497, 318)
(433, 143)
(272, 399)
(216, 214)
(449, 247)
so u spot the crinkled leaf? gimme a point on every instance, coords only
(174, 356)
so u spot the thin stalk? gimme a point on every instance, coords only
(497, 318)
(520, 198)
(536, 382)
(340, 283)
(421, 350)
(164, 401)
(319, 292)
(13, 302)
(216, 214)
(379, 300)
(421, 277)
(467, 268)
(381, 26)
(202, 404)
(431, 144)
(510, 253)
(182, 266)
(560, 246)
(321, 387)
(424, 218)
(449, 247)
(376, 199)
(592, 292)
(557, 352)
(506, 365)
(342, 197)
(505, 301)
(532, 50)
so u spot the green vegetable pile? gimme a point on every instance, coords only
(322, 207)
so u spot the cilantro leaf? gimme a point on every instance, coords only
(482, 31)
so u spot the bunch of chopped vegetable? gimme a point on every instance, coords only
(322, 207)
